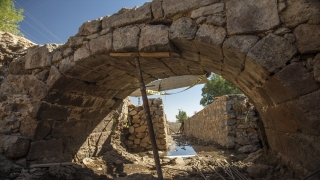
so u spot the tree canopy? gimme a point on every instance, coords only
(10, 17)
(217, 86)
(182, 116)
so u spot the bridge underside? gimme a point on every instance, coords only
(61, 93)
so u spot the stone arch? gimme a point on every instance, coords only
(270, 50)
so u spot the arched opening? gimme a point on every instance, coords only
(275, 63)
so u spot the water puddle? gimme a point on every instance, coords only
(181, 151)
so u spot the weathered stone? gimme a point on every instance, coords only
(290, 82)
(183, 28)
(290, 37)
(39, 56)
(236, 48)
(90, 27)
(67, 52)
(54, 75)
(207, 10)
(14, 146)
(106, 31)
(145, 139)
(140, 129)
(141, 135)
(37, 89)
(247, 149)
(102, 43)
(231, 122)
(281, 31)
(43, 75)
(45, 149)
(216, 20)
(258, 170)
(132, 113)
(128, 143)
(136, 121)
(43, 129)
(272, 52)
(298, 12)
(137, 141)
(173, 7)
(81, 53)
(209, 40)
(157, 10)
(126, 39)
(57, 56)
(133, 16)
(248, 16)
(316, 68)
(308, 38)
(151, 43)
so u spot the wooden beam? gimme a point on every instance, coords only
(154, 54)
(144, 54)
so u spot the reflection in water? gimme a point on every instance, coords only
(178, 150)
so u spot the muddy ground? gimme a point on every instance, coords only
(212, 162)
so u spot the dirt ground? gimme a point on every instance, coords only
(212, 162)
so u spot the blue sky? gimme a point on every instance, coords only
(54, 21)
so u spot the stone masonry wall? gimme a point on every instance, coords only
(138, 138)
(231, 121)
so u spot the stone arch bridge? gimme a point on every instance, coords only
(270, 50)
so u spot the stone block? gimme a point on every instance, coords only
(308, 38)
(39, 56)
(73, 42)
(272, 52)
(157, 10)
(81, 54)
(37, 89)
(102, 43)
(90, 27)
(43, 129)
(298, 12)
(290, 83)
(183, 28)
(54, 75)
(150, 43)
(14, 146)
(207, 10)
(209, 40)
(126, 39)
(45, 149)
(248, 16)
(133, 16)
(216, 20)
(174, 7)
(140, 129)
(236, 48)
(141, 135)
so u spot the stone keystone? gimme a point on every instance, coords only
(126, 39)
(151, 43)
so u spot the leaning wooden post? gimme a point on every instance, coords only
(150, 125)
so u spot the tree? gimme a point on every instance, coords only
(217, 86)
(182, 116)
(10, 17)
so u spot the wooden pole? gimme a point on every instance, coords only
(150, 125)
